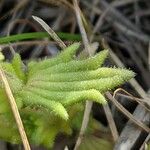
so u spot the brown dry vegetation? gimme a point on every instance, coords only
(123, 27)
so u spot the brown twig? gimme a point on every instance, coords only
(111, 122)
(127, 113)
(89, 104)
(50, 31)
(81, 27)
(131, 97)
(15, 110)
(149, 55)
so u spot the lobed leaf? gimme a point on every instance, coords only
(69, 98)
(99, 73)
(65, 56)
(18, 67)
(102, 84)
(8, 68)
(48, 90)
(91, 63)
(31, 99)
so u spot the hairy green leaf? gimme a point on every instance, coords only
(46, 92)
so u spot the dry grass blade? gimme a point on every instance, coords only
(131, 97)
(149, 55)
(125, 138)
(15, 9)
(88, 104)
(111, 122)
(127, 113)
(50, 31)
(136, 86)
(81, 27)
(15, 110)
(122, 3)
(58, 3)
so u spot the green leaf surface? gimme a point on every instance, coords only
(47, 91)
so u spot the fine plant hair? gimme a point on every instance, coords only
(47, 89)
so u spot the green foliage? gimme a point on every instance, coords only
(38, 35)
(47, 91)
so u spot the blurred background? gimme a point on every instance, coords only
(122, 26)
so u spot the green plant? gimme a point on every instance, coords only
(46, 91)
(38, 35)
